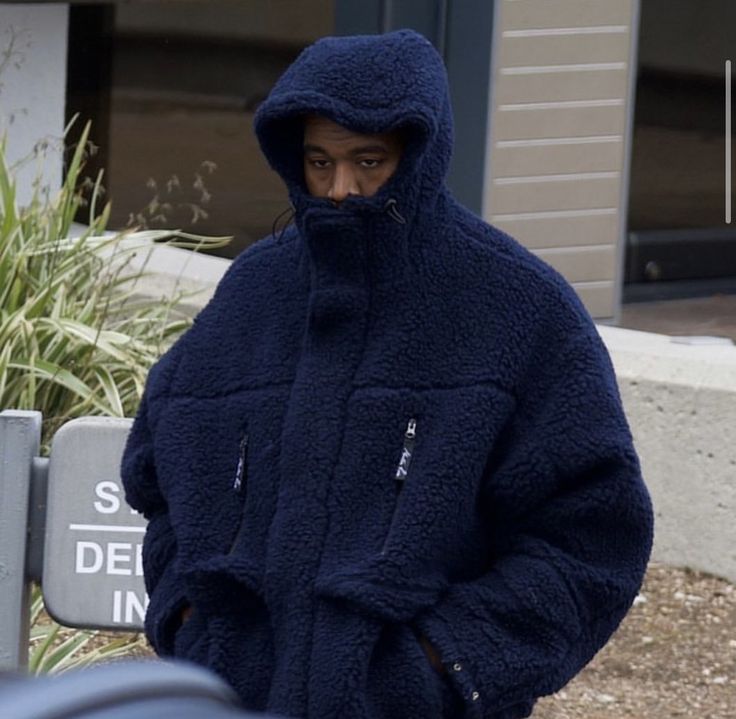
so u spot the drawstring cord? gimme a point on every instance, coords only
(391, 208)
(289, 213)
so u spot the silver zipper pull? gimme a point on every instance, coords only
(242, 461)
(409, 436)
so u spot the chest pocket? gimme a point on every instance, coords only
(405, 493)
(222, 466)
(410, 470)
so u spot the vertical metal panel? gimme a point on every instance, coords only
(358, 17)
(37, 518)
(468, 59)
(424, 16)
(618, 286)
(20, 438)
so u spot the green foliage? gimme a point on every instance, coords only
(54, 649)
(75, 337)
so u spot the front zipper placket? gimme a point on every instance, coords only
(402, 470)
(239, 485)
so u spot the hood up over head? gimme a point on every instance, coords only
(369, 84)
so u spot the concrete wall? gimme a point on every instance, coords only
(33, 86)
(681, 404)
(168, 271)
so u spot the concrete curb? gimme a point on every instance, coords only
(681, 403)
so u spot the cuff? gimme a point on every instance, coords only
(163, 616)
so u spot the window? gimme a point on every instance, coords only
(172, 88)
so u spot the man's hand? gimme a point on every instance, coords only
(432, 655)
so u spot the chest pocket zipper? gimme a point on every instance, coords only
(402, 470)
(241, 473)
(240, 483)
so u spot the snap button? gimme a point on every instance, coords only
(457, 667)
(475, 696)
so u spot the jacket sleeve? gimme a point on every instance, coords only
(570, 522)
(143, 493)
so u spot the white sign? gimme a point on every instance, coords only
(93, 570)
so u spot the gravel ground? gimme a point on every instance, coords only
(673, 656)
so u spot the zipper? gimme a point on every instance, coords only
(240, 482)
(402, 471)
(241, 473)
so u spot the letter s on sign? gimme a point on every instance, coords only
(108, 502)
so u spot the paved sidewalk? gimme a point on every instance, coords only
(715, 315)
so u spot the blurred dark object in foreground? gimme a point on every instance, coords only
(122, 690)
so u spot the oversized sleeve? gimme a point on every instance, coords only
(143, 493)
(570, 523)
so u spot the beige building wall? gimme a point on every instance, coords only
(557, 164)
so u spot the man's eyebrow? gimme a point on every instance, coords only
(369, 149)
(314, 148)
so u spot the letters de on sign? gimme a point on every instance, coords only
(92, 571)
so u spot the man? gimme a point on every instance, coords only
(387, 471)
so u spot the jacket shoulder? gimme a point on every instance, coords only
(531, 293)
(244, 319)
(265, 254)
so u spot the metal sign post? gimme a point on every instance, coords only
(92, 569)
(20, 439)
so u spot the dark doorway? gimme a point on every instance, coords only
(678, 243)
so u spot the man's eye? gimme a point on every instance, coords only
(319, 164)
(370, 163)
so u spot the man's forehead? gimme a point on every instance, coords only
(319, 128)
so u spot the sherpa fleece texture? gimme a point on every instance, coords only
(393, 335)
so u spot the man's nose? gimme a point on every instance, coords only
(344, 183)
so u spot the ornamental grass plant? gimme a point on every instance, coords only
(76, 338)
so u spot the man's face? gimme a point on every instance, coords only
(339, 162)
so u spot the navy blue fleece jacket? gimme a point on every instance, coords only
(392, 422)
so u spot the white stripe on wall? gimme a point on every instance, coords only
(561, 104)
(544, 141)
(585, 30)
(552, 214)
(563, 177)
(572, 250)
(576, 67)
(592, 284)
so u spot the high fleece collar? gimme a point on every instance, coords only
(369, 84)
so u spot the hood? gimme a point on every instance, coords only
(369, 84)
